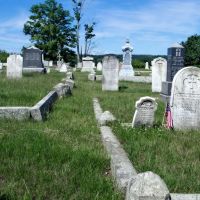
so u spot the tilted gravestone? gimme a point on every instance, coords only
(175, 62)
(14, 66)
(126, 69)
(185, 99)
(144, 114)
(110, 71)
(32, 58)
(159, 73)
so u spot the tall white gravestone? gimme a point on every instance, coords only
(159, 73)
(110, 71)
(145, 110)
(14, 66)
(185, 99)
(127, 68)
(147, 65)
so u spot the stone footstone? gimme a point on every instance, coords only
(147, 186)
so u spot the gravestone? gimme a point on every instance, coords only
(50, 63)
(64, 67)
(99, 66)
(145, 110)
(175, 62)
(14, 66)
(126, 69)
(88, 64)
(185, 99)
(110, 70)
(147, 65)
(32, 58)
(159, 73)
(1, 66)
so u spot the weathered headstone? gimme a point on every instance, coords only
(145, 110)
(147, 65)
(110, 80)
(32, 58)
(1, 66)
(175, 62)
(64, 67)
(14, 66)
(99, 66)
(88, 64)
(50, 63)
(185, 99)
(126, 69)
(159, 73)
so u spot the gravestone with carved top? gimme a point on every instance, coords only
(145, 111)
(185, 99)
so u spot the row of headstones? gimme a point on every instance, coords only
(185, 95)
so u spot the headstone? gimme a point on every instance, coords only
(185, 99)
(88, 64)
(145, 110)
(175, 62)
(1, 66)
(50, 63)
(32, 58)
(110, 80)
(147, 66)
(46, 63)
(92, 77)
(99, 66)
(14, 66)
(159, 73)
(64, 67)
(126, 69)
(59, 64)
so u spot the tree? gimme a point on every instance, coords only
(192, 50)
(78, 9)
(51, 29)
(89, 34)
(3, 56)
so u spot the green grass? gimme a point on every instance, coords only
(28, 90)
(61, 158)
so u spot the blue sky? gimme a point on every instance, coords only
(151, 25)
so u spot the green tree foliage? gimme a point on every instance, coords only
(3, 56)
(138, 63)
(192, 50)
(89, 34)
(50, 28)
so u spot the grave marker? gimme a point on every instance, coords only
(110, 72)
(144, 114)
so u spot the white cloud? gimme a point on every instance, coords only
(163, 17)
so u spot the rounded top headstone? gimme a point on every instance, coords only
(176, 45)
(127, 46)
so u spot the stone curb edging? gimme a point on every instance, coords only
(125, 174)
(39, 111)
(121, 167)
